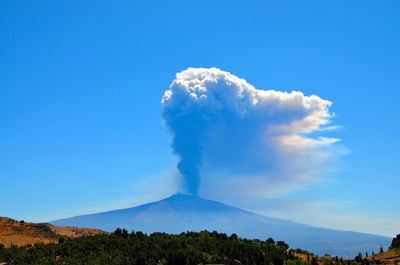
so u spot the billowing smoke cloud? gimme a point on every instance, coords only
(224, 128)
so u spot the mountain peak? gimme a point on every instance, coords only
(183, 204)
(182, 196)
(187, 212)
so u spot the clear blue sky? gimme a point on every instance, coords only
(81, 84)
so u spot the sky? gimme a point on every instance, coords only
(81, 83)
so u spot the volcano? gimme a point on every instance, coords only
(180, 213)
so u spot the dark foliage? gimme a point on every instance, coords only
(395, 242)
(138, 248)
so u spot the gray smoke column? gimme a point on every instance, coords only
(222, 123)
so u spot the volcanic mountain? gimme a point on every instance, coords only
(180, 213)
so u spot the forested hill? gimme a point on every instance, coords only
(138, 248)
(197, 248)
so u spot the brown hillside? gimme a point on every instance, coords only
(13, 232)
(390, 257)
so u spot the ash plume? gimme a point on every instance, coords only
(221, 124)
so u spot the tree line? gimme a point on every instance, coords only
(137, 248)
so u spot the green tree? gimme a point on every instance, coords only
(314, 261)
(395, 242)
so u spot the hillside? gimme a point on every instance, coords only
(136, 248)
(391, 256)
(13, 232)
(180, 213)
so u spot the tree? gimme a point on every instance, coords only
(282, 244)
(234, 237)
(124, 233)
(395, 242)
(118, 232)
(381, 249)
(270, 241)
(358, 258)
(314, 261)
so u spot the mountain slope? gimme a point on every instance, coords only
(180, 213)
(18, 233)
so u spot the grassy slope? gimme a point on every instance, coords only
(389, 257)
(13, 232)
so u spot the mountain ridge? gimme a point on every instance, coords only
(180, 212)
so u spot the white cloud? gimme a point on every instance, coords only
(229, 135)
